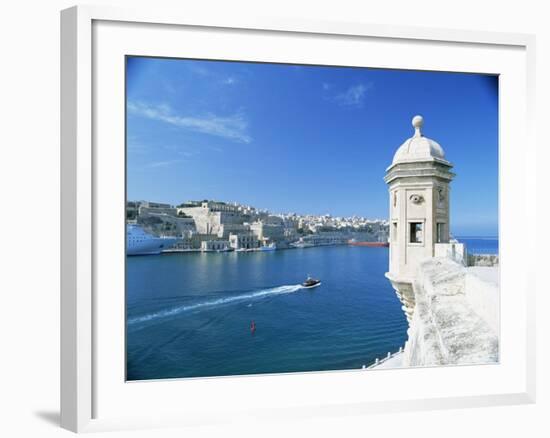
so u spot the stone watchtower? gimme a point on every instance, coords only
(418, 182)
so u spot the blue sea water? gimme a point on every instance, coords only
(480, 245)
(189, 315)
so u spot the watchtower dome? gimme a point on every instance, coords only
(419, 148)
(418, 183)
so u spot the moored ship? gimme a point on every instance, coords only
(301, 244)
(354, 242)
(139, 242)
(271, 247)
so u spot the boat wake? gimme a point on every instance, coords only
(218, 302)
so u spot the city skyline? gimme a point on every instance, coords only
(310, 140)
(258, 208)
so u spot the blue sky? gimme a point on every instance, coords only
(305, 139)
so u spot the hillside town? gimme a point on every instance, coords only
(221, 226)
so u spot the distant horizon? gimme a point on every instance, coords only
(294, 138)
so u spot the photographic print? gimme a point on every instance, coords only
(296, 218)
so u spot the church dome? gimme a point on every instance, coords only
(418, 147)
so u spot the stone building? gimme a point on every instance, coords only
(210, 216)
(418, 182)
(226, 229)
(244, 241)
(155, 208)
(268, 232)
(215, 245)
(219, 206)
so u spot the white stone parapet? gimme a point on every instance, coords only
(391, 360)
(452, 250)
(455, 319)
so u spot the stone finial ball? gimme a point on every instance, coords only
(417, 121)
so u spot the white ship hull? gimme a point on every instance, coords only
(138, 242)
(270, 247)
(301, 245)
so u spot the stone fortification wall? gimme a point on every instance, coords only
(455, 318)
(211, 222)
(482, 260)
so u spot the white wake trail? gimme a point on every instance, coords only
(220, 301)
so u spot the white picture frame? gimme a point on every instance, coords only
(93, 396)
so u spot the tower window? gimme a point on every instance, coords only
(394, 231)
(416, 234)
(440, 232)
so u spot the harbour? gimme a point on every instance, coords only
(219, 226)
(189, 315)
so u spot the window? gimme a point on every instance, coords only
(416, 232)
(394, 231)
(440, 232)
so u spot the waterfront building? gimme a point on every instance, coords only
(215, 245)
(325, 238)
(274, 232)
(226, 229)
(197, 239)
(243, 241)
(183, 244)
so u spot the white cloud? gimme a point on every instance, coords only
(200, 70)
(166, 163)
(233, 127)
(353, 96)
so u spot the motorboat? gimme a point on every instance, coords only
(311, 282)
